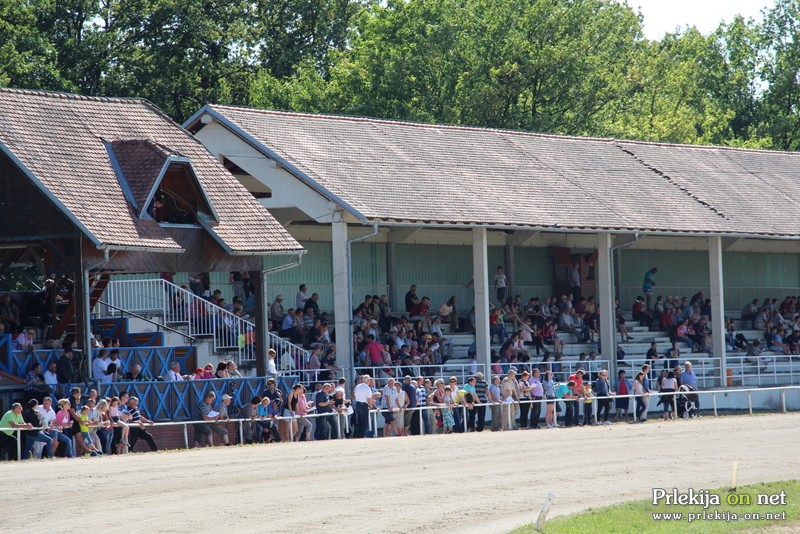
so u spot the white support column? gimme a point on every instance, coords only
(605, 304)
(341, 297)
(717, 305)
(480, 271)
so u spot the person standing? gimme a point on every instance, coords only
(648, 285)
(482, 399)
(495, 398)
(537, 394)
(500, 285)
(137, 422)
(574, 279)
(689, 378)
(362, 394)
(324, 403)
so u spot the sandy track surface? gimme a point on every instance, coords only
(458, 483)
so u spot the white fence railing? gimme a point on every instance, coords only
(339, 423)
(176, 305)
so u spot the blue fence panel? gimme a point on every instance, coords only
(155, 361)
(5, 352)
(20, 361)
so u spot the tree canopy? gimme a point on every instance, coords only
(577, 67)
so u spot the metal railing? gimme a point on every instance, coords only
(176, 305)
(508, 414)
(706, 368)
(766, 369)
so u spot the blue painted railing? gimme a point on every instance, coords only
(117, 327)
(155, 361)
(175, 401)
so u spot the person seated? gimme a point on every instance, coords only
(25, 340)
(174, 373)
(135, 374)
(35, 387)
(641, 313)
(205, 430)
(749, 312)
(311, 308)
(447, 312)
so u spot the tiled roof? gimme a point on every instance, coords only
(141, 162)
(61, 138)
(385, 170)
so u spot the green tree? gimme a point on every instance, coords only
(27, 58)
(781, 49)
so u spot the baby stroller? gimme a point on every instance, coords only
(687, 402)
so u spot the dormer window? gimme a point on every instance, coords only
(160, 184)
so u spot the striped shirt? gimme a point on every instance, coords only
(422, 397)
(480, 390)
(134, 415)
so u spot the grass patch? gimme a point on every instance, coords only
(637, 516)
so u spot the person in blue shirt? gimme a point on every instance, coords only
(688, 378)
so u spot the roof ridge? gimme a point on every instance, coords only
(457, 127)
(63, 95)
(708, 147)
(398, 122)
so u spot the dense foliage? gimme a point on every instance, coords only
(577, 67)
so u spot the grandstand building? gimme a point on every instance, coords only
(380, 205)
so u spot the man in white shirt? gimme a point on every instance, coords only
(100, 364)
(362, 395)
(47, 415)
(51, 379)
(389, 395)
(272, 369)
(174, 373)
(301, 298)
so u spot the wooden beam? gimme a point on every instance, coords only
(729, 242)
(522, 238)
(402, 234)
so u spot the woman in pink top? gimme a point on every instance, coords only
(301, 409)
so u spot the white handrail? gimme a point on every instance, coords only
(373, 413)
(177, 305)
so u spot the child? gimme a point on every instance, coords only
(116, 418)
(447, 411)
(587, 403)
(87, 437)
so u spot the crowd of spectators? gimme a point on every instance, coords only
(74, 426)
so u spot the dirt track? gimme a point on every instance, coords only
(462, 482)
